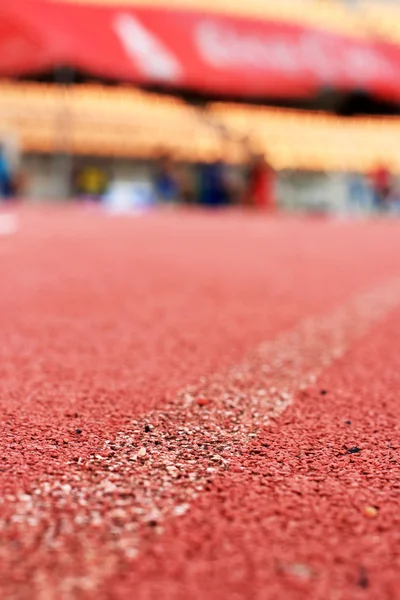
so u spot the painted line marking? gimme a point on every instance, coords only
(106, 508)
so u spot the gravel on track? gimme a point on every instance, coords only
(105, 322)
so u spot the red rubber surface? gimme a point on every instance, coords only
(104, 319)
(293, 523)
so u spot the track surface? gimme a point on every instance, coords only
(179, 397)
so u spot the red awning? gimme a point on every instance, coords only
(193, 51)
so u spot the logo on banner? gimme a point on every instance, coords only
(327, 57)
(153, 58)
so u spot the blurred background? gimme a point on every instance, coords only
(73, 133)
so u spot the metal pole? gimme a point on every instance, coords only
(62, 159)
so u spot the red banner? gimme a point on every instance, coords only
(204, 53)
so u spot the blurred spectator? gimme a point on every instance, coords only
(187, 183)
(91, 183)
(165, 181)
(6, 185)
(394, 200)
(381, 183)
(359, 194)
(214, 184)
(236, 184)
(12, 155)
(261, 183)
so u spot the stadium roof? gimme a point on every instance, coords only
(360, 17)
(197, 53)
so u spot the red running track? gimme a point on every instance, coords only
(164, 434)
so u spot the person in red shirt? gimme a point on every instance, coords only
(381, 182)
(262, 183)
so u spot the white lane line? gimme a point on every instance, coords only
(77, 530)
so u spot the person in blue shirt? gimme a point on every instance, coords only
(213, 182)
(5, 178)
(165, 182)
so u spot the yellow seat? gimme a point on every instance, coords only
(131, 123)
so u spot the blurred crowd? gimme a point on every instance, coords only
(215, 184)
(377, 191)
(252, 184)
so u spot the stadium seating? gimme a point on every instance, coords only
(128, 123)
(91, 120)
